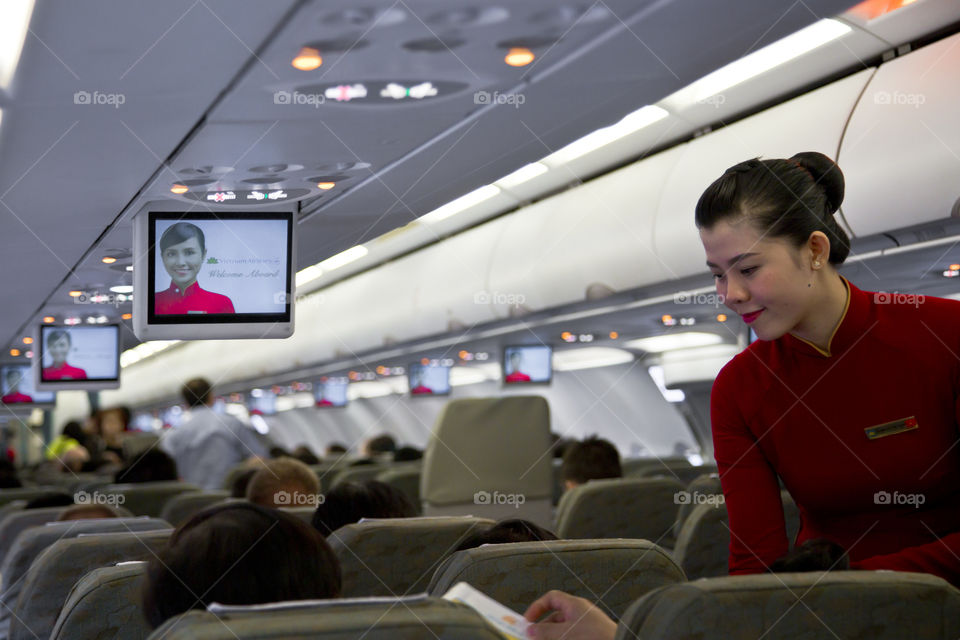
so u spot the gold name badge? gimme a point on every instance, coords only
(891, 428)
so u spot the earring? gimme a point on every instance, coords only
(816, 264)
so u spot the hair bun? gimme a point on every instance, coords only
(826, 174)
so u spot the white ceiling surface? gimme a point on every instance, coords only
(68, 171)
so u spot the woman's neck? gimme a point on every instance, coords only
(826, 312)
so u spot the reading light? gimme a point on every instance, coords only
(27, 340)
(108, 259)
(49, 319)
(75, 293)
(179, 188)
(307, 60)
(614, 335)
(424, 361)
(126, 316)
(326, 186)
(519, 57)
(722, 317)
(955, 267)
(14, 352)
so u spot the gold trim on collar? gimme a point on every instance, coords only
(846, 307)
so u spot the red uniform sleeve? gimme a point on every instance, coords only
(941, 558)
(750, 488)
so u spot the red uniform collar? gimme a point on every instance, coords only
(851, 328)
(183, 293)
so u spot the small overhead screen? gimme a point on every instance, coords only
(428, 380)
(17, 386)
(530, 364)
(331, 392)
(213, 275)
(78, 357)
(262, 403)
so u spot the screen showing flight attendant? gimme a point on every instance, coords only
(428, 379)
(219, 268)
(527, 364)
(16, 382)
(331, 392)
(71, 354)
(262, 403)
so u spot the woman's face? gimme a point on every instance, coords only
(762, 279)
(59, 349)
(182, 261)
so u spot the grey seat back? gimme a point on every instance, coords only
(26, 494)
(405, 477)
(359, 474)
(105, 605)
(30, 543)
(138, 442)
(396, 556)
(621, 508)
(490, 457)
(406, 619)
(52, 575)
(798, 606)
(182, 506)
(697, 492)
(610, 573)
(13, 523)
(646, 467)
(147, 498)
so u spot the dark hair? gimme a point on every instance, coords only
(304, 454)
(50, 500)
(195, 392)
(238, 553)
(152, 465)
(383, 443)
(407, 454)
(238, 488)
(505, 531)
(8, 475)
(783, 198)
(56, 334)
(334, 448)
(346, 503)
(278, 452)
(592, 459)
(818, 554)
(181, 232)
(74, 429)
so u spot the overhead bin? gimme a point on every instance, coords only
(811, 122)
(582, 243)
(901, 152)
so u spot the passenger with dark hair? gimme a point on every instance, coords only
(407, 454)
(278, 452)
(238, 488)
(348, 502)
(207, 445)
(239, 554)
(58, 347)
(849, 397)
(382, 444)
(8, 475)
(152, 465)
(284, 482)
(304, 454)
(50, 500)
(88, 512)
(182, 250)
(334, 450)
(813, 555)
(592, 459)
(506, 531)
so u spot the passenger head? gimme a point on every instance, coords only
(182, 249)
(818, 554)
(335, 450)
(58, 345)
(592, 459)
(152, 465)
(407, 454)
(384, 443)
(238, 488)
(284, 482)
(505, 531)
(348, 502)
(8, 475)
(50, 500)
(304, 454)
(74, 429)
(88, 512)
(239, 553)
(197, 392)
(771, 238)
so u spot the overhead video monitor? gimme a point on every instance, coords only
(78, 357)
(331, 392)
(262, 403)
(17, 386)
(208, 275)
(428, 380)
(530, 364)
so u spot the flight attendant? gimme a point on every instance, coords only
(13, 394)
(183, 249)
(417, 387)
(516, 375)
(851, 398)
(58, 346)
